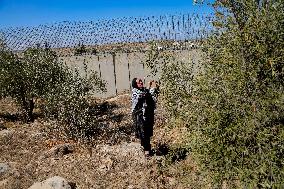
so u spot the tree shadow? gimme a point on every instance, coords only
(172, 154)
(114, 135)
(104, 108)
(11, 117)
(72, 185)
(2, 126)
(162, 150)
(112, 127)
(117, 118)
(8, 117)
(179, 154)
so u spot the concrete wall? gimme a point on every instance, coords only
(119, 69)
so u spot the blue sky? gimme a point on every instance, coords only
(14, 13)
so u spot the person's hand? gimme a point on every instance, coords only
(157, 85)
(153, 84)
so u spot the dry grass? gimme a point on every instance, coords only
(113, 160)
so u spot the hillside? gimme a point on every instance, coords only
(34, 152)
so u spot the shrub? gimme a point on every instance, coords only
(29, 76)
(71, 105)
(234, 106)
(37, 74)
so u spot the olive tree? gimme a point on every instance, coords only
(37, 73)
(234, 106)
(238, 117)
(28, 76)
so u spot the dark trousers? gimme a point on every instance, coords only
(143, 129)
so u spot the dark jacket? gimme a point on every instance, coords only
(143, 107)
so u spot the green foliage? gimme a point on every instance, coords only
(238, 117)
(70, 104)
(37, 75)
(234, 106)
(80, 50)
(175, 77)
(31, 76)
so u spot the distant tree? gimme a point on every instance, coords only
(80, 50)
(94, 51)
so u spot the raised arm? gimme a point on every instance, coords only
(154, 90)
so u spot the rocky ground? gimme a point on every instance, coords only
(34, 152)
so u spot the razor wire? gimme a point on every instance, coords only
(178, 27)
